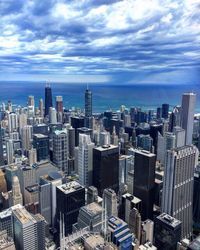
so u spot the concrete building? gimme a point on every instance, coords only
(110, 202)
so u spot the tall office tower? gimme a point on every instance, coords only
(10, 172)
(187, 115)
(1, 147)
(45, 201)
(41, 144)
(22, 122)
(77, 122)
(3, 186)
(9, 106)
(135, 223)
(104, 138)
(71, 141)
(177, 196)
(175, 118)
(110, 202)
(114, 138)
(12, 122)
(41, 231)
(48, 100)
(31, 101)
(106, 168)
(27, 135)
(32, 156)
(60, 149)
(144, 181)
(9, 151)
(145, 142)
(47, 197)
(180, 136)
(167, 232)
(88, 103)
(41, 107)
(85, 160)
(28, 232)
(85, 131)
(159, 113)
(92, 194)
(165, 110)
(70, 198)
(52, 115)
(27, 177)
(120, 233)
(16, 192)
(166, 142)
(196, 200)
(125, 165)
(59, 108)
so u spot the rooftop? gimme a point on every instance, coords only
(40, 136)
(106, 147)
(8, 212)
(70, 187)
(169, 220)
(92, 208)
(23, 216)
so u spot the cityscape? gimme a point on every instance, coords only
(99, 125)
(76, 179)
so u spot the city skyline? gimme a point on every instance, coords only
(128, 41)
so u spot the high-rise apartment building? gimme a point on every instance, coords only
(88, 103)
(1, 147)
(177, 197)
(187, 115)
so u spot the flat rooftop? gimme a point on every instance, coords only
(106, 147)
(92, 209)
(24, 216)
(166, 218)
(70, 187)
(8, 212)
(40, 136)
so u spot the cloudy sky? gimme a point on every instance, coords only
(129, 41)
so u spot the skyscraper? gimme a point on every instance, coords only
(1, 147)
(60, 149)
(41, 144)
(41, 107)
(9, 151)
(70, 198)
(59, 108)
(52, 115)
(88, 103)
(135, 223)
(85, 160)
(16, 192)
(167, 232)
(27, 135)
(165, 110)
(106, 168)
(48, 100)
(177, 197)
(110, 202)
(144, 179)
(28, 232)
(187, 115)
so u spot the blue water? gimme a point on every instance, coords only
(105, 96)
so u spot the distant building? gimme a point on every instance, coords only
(48, 100)
(41, 144)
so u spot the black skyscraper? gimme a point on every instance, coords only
(88, 103)
(165, 110)
(70, 198)
(41, 144)
(106, 168)
(1, 148)
(144, 178)
(48, 100)
(167, 232)
(77, 122)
